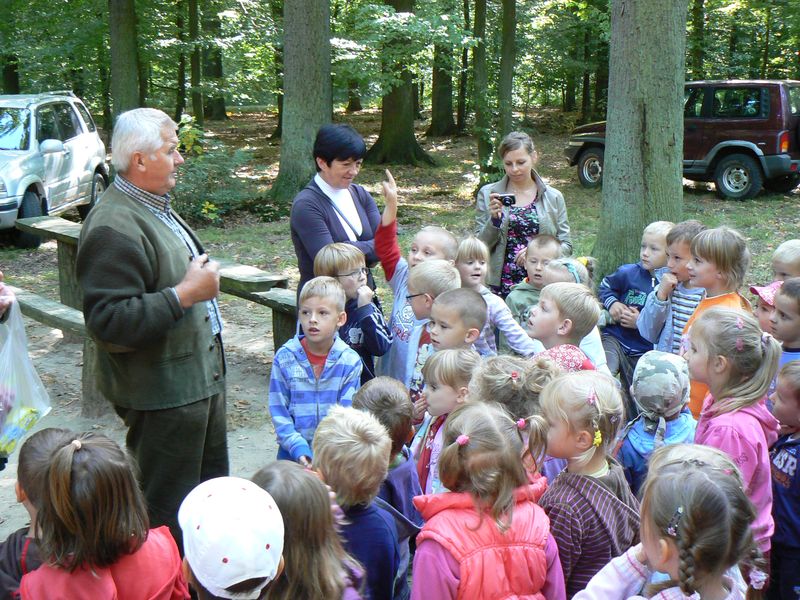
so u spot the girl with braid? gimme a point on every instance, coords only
(696, 528)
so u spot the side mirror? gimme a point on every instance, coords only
(51, 146)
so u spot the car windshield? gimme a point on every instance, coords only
(14, 128)
(794, 99)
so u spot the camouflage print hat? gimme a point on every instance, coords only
(660, 389)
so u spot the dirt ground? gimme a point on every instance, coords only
(251, 438)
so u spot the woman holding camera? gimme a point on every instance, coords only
(514, 210)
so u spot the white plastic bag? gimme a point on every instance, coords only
(23, 398)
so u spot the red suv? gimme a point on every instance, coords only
(739, 134)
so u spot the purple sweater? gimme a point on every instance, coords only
(315, 223)
(593, 520)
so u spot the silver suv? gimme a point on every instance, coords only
(51, 159)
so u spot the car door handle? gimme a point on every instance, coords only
(67, 151)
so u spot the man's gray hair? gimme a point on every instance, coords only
(138, 130)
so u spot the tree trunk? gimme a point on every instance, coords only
(396, 141)
(696, 39)
(105, 89)
(124, 55)
(180, 96)
(276, 9)
(586, 85)
(442, 93)
(508, 57)
(194, 38)
(307, 87)
(10, 74)
(416, 89)
(767, 33)
(214, 106)
(644, 135)
(480, 87)
(353, 97)
(569, 88)
(461, 111)
(601, 82)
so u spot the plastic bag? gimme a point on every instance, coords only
(23, 397)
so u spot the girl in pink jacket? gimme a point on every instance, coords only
(729, 353)
(487, 538)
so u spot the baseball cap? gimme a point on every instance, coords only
(767, 292)
(232, 532)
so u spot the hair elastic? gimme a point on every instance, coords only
(514, 376)
(77, 444)
(739, 323)
(739, 344)
(462, 440)
(521, 423)
(765, 337)
(591, 398)
(573, 271)
(598, 438)
(584, 260)
(757, 579)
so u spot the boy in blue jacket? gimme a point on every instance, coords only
(312, 372)
(623, 294)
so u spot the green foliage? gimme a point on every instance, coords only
(190, 136)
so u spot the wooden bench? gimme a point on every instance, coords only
(49, 312)
(243, 281)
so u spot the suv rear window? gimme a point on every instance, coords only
(68, 121)
(740, 103)
(87, 118)
(14, 128)
(794, 98)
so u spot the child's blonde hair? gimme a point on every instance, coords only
(659, 228)
(685, 232)
(352, 451)
(326, 288)
(727, 249)
(543, 240)
(316, 562)
(752, 355)
(788, 252)
(586, 401)
(92, 510)
(697, 500)
(452, 367)
(572, 270)
(471, 248)
(575, 302)
(513, 382)
(433, 277)
(447, 241)
(338, 258)
(388, 400)
(467, 303)
(477, 458)
(789, 371)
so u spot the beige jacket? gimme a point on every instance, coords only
(552, 220)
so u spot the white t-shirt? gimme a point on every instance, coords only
(343, 200)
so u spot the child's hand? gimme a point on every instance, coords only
(617, 310)
(420, 406)
(365, 295)
(667, 285)
(519, 259)
(390, 196)
(629, 317)
(305, 461)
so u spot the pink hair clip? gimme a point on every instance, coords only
(739, 323)
(757, 579)
(514, 375)
(739, 344)
(592, 397)
(522, 423)
(462, 440)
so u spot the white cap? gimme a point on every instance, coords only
(232, 532)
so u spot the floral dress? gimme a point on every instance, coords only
(523, 226)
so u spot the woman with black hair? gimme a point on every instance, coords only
(331, 208)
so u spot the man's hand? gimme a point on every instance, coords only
(666, 286)
(6, 296)
(629, 317)
(390, 196)
(365, 295)
(200, 283)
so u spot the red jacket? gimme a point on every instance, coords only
(492, 564)
(153, 572)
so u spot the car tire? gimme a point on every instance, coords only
(784, 184)
(590, 167)
(31, 206)
(738, 177)
(98, 187)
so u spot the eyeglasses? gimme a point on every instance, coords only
(355, 274)
(410, 296)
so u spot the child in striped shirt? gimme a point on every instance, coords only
(669, 306)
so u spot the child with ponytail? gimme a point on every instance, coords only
(593, 514)
(487, 537)
(729, 353)
(95, 534)
(696, 528)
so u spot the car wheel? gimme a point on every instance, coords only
(98, 187)
(784, 184)
(738, 177)
(31, 207)
(590, 168)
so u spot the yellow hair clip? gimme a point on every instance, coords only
(598, 438)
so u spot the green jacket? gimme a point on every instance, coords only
(151, 353)
(522, 297)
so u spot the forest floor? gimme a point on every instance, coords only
(443, 195)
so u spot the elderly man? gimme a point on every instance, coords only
(150, 303)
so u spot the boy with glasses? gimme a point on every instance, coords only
(365, 330)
